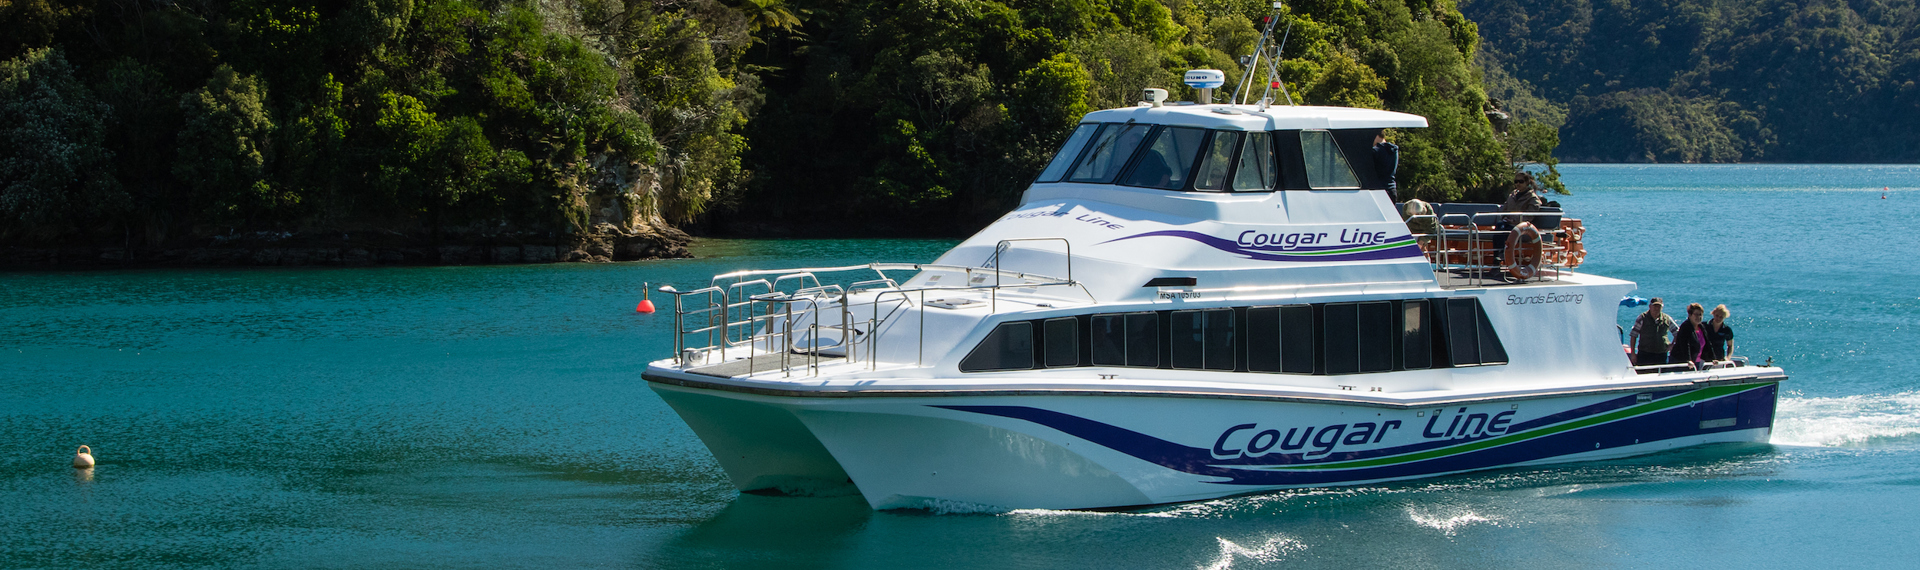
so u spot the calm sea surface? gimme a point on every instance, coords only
(495, 417)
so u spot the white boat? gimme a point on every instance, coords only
(1192, 301)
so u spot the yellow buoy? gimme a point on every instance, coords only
(83, 458)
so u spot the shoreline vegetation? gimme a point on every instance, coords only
(276, 132)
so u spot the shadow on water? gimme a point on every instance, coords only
(767, 531)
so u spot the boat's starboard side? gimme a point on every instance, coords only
(1095, 451)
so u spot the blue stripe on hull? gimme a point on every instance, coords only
(1749, 409)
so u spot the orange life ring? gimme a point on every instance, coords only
(1524, 251)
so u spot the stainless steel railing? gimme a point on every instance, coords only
(746, 311)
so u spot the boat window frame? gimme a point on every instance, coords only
(1146, 144)
(1064, 149)
(994, 334)
(1333, 143)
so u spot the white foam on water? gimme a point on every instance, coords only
(952, 507)
(1447, 522)
(1848, 420)
(1270, 551)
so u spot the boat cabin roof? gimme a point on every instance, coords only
(1253, 118)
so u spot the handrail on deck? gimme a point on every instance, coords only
(772, 317)
(1478, 241)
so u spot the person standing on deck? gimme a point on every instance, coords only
(1719, 336)
(1649, 336)
(1691, 339)
(1386, 162)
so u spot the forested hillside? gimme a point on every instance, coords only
(152, 126)
(1711, 80)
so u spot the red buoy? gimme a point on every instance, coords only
(646, 299)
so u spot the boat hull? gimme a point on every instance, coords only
(1077, 451)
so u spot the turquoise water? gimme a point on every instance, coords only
(454, 417)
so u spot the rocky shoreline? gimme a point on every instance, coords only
(605, 244)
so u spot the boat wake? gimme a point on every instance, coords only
(1849, 420)
(1447, 522)
(1270, 551)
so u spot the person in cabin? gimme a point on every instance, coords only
(1691, 340)
(1649, 336)
(1386, 162)
(1719, 336)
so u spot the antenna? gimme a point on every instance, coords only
(1273, 63)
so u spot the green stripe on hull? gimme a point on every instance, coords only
(1676, 401)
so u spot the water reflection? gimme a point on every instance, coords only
(757, 530)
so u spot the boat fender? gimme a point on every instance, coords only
(83, 458)
(1524, 252)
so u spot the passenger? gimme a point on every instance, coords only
(1525, 197)
(1153, 170)
(1691, 340)
(1386, 163)
(1719, 336)
(1649, 336)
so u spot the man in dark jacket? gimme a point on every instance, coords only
(1386, 161)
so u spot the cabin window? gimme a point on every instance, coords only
(1470, 338)
(1213, 167)
(1376, 336)
(1341, 341)
(1326, 339)
(1063, 342)
(1281, 339)
(1131, 339)
(1256, 170)
(1416, 346)
(1167, 160)
(1111, 148)
(1008, 347)
(1068, 152)
(1263, 339)
(1202, 340)
(1326, 166)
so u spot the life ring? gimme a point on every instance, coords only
(1524, 251)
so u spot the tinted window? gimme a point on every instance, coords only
(1296, 339)
(1416, 347)
(1143, 340)
(1068, 152)
(1213, 167)
(1063, 342)
(1186, 339)
(1256, 171)
(1008, 347)
(1376, 336)
(1463, 332)
(1341, 344)
(1202, 339)
(1109, 339)
(1219, 342)
(1490, 350)
(1111, 148)
(1263, 339)
(1165, 162)
(1326, 167)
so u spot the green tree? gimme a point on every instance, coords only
(56, 174)
(225, 148)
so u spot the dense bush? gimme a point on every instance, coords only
(150, 122)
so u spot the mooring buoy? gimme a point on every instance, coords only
(646, 299)
(83, 458)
